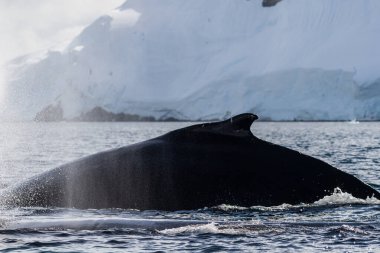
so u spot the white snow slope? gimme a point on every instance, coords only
(298, 60)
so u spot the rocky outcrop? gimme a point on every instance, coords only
(99, 114)
(270, 3)
(54, 113)
(50, 113)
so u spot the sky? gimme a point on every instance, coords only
(28, 26)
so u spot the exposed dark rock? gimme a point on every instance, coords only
(170, 119)
(270, 3)
(50, 113)
(171, 115)
(98, 114)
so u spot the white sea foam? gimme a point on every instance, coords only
(227, 228)
(207, 228)
(352, 229)
(225, 207)
(338, 197)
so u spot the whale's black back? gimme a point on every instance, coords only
(202, 165)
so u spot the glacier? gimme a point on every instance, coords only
(202, 60)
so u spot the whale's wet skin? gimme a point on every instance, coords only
(205, 164)
(335, 223)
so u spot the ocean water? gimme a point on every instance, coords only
(336, 223)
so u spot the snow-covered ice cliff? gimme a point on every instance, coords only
(303, 60)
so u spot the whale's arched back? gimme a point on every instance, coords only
(238, 126)
(202, 165)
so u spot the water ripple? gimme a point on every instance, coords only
(336, 223)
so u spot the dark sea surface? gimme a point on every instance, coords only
(336, 223)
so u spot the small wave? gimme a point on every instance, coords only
(351, 229)
(226, 208)
(338, 197)
(206, 228)
(230, 228)
(354, 122)
(100, 223)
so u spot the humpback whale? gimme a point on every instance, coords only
(197, 166)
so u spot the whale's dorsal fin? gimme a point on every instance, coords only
(242, 121)
(238, 125)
